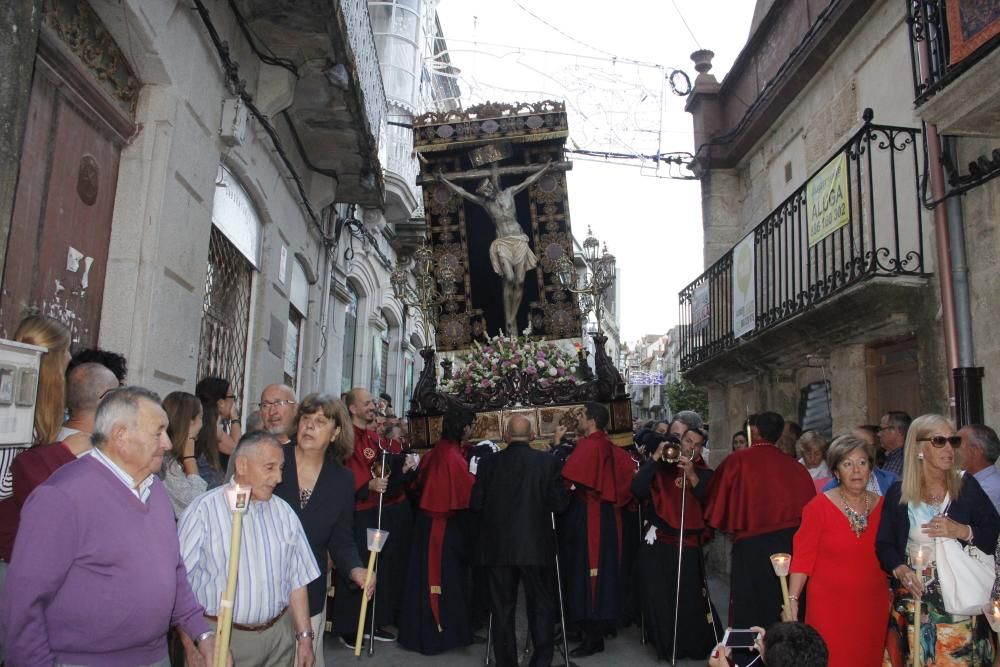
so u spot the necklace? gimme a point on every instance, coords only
(857, 520)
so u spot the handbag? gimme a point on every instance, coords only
(965, 575)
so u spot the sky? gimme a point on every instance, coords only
(609, 62)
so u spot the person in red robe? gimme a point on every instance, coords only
(436, 602)
(372, 483)
(599, 474)
(756, 496)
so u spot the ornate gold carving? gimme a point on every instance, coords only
(81, 30)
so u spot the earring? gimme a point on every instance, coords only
(920, 456)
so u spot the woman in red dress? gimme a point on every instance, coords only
(834, 551)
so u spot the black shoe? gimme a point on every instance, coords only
(588, 647)
(381, 635)
(348, 641)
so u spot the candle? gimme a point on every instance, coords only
(781, 563)
(920, 556)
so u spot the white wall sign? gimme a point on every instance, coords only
(744, 287)
(701, 310)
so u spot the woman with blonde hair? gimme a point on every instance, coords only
(934, 499)
(321, 491)
(50, 407)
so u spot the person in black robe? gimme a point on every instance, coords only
(756, 496)
(659, 483)
(436, 600)
(599, 474)
(515, 494)
(371, 483)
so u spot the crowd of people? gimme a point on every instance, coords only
(115, 528)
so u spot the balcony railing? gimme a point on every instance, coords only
(883, 236)
(928, 23)
(362, 43)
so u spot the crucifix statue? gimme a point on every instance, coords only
(510, 253)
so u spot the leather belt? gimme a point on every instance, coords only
(252, 628)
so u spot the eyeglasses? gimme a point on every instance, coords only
(232, 396)
(940, 441)
(267, 405)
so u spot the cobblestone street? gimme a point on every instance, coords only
(626, 649)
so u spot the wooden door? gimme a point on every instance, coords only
(58, 248)
(893, 379)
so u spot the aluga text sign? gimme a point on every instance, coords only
(828, 207)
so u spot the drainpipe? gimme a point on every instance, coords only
(968, 377)
(942, 241)
(965, 381)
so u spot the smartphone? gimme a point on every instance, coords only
(739, 638)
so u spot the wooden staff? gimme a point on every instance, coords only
(238, 499)
(376, 539)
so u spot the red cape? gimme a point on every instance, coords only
(757, 490)
(367, 449)
(444, 479)
(666, 497)
(598, 464)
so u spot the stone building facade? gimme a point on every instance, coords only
(214, 189)
(824, 315)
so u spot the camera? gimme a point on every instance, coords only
(671, 450)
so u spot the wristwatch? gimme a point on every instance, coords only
(203, 636)
(305, 634)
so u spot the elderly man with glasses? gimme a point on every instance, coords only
(277, 410)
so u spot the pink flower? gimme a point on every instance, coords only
(485, 384)
(531, 370)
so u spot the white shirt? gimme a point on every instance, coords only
(140, 490)
(275, 557)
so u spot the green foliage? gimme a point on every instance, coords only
(683, 395)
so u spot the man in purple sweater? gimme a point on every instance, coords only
(96, 577)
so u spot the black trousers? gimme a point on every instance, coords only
(540, 591)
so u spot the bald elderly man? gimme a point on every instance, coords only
(519, 482)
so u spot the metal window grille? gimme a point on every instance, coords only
(226, 314)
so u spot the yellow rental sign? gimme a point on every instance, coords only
(828, 207)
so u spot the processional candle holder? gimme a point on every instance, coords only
(434, 284)
(376, 540)
(920, 557)
(781, 563)
(600, 275)
(238, 500)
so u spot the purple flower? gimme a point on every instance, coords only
(531, 370)
(485, 384)
(561, 372)
(541, 354)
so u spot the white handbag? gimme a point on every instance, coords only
(966, 576)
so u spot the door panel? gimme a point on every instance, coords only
(61, 226)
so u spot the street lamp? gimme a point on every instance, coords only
(423, 294)
(598, 278)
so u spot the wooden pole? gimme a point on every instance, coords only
(364, 603)
(915, 651)
(225, 622)
(784, 591)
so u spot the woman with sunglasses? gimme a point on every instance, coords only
(934, 499)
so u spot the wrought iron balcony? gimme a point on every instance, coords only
(929, 25)
(882, 234)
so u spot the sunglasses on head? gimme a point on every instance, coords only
(942, 440)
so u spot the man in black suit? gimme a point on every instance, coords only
(515, 493)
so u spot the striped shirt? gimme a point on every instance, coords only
(140, 490)
(275, 557)
(7, 455)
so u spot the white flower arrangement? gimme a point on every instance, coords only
(510, 357)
